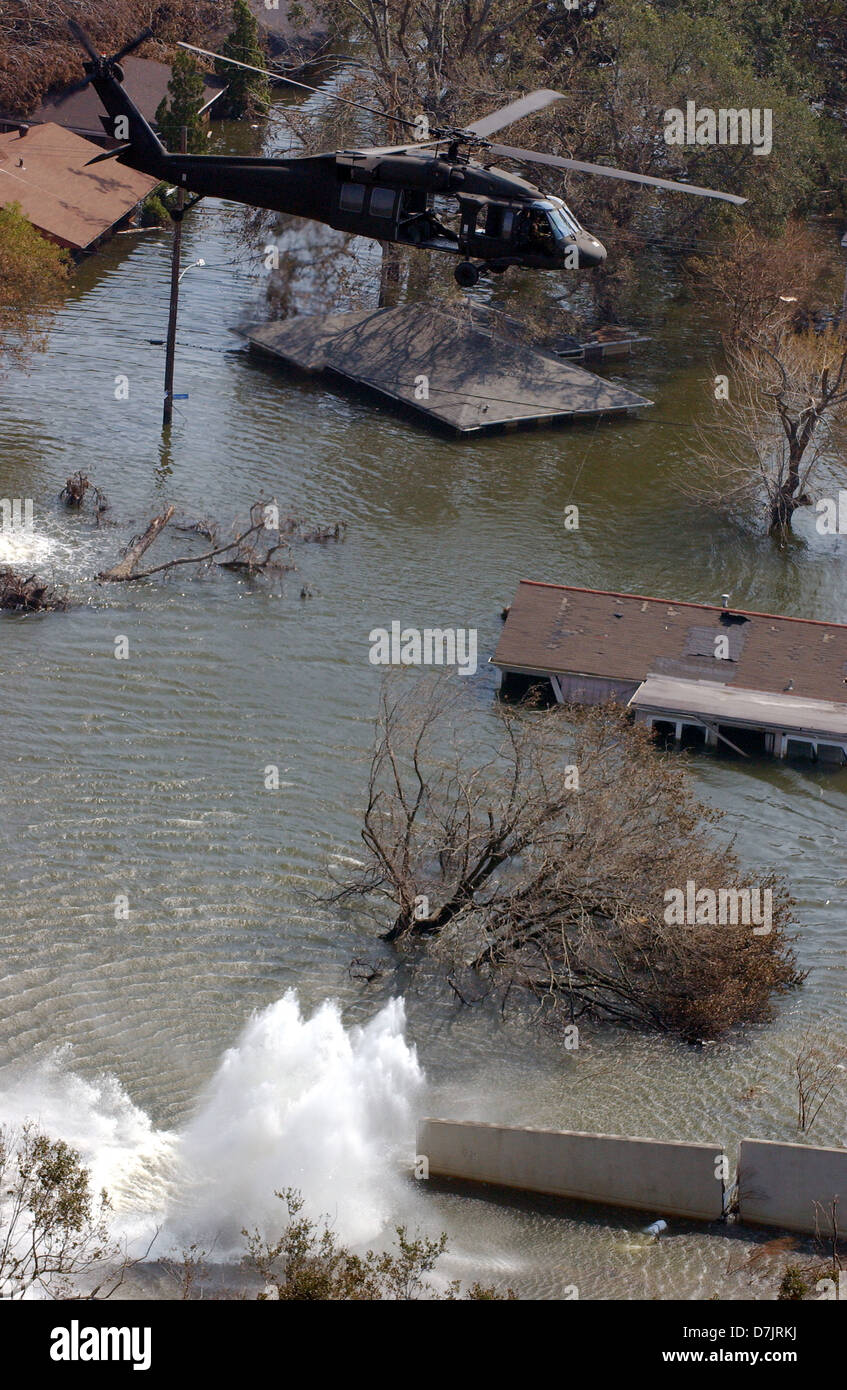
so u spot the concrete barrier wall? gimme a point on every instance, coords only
(662, 1177)
(778, 1184)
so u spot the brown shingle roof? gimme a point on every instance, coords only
(560, 630)
(45, 172)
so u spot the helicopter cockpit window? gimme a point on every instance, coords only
(382, 202)
(352, 197)
(564, 224)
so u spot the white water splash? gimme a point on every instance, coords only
(124, 1152)
(20, 545)
(50, 546)
(297, 1102)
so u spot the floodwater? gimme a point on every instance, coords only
(193, 1050)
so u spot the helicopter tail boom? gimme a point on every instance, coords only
(141, 147)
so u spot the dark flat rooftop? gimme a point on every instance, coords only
(561, 630)
(475, 377)
(761, 709)
(146, 82)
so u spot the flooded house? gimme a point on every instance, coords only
(77, 108)
(698, 674)
(45, 170)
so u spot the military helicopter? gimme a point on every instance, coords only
(439, 193)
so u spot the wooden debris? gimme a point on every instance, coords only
(75, 489)
(242, 554)
(125, 568)
(31, 595)
(73, 493)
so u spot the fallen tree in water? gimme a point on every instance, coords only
(253, 549)
(126, 567)
(553, 856)
(261, 545)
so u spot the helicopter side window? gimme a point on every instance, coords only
(534, 233)
(540, 232)
(352, 197)
(382, 202)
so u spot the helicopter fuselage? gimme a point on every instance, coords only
(431, 198)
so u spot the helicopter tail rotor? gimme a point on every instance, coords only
(144, 150)
(81, 37)
(99, 64)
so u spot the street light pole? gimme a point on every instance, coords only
(844, 300)
(170, 348)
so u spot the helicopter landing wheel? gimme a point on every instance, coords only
(497, 269)
(466, 274)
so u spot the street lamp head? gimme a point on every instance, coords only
(190, 266)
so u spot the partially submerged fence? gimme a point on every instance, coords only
(790, 1185)
(787, 1185)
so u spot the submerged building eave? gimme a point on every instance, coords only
(740, 708)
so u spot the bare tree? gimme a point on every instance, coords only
(804, 1278)
(784, 419)
(782, 416)
(765, 282)
(188, 1272)
(535, 856)
(819, 1065)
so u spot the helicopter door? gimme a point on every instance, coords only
(499, 222)
(493, 230)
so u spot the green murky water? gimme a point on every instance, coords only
(144, 777)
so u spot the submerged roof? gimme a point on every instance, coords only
(762, 708)
(45, 172)
(558, 629)
(146, 82)
(462, 374)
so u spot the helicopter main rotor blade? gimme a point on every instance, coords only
(81, 37)
(606, 171)
(304, 86)
(524, 106)
(132, 45)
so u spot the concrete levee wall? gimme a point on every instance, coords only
(665, 1178)
(779, 1184)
